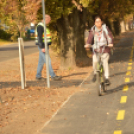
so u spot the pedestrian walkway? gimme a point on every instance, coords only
(87, 113)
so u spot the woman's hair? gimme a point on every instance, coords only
(97, 17)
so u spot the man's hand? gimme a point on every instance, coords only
(43, 50)
(110, 45)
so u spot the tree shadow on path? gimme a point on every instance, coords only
(119, 88)
(74, 74)
(53, 84)
(116, 74)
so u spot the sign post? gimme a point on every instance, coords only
(22, 65)
(46, 46)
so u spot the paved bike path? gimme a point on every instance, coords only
(87, 113)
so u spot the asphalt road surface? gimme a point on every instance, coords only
(12, 51)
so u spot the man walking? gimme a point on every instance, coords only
(39, 32)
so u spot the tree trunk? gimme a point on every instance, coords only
(123, 27)
(116, 26)
(81, 56)
(71, 38)
(67, 45)
(127, 26)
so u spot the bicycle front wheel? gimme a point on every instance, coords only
(99, 85)
(104, 87)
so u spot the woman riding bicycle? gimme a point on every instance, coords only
(100, 36)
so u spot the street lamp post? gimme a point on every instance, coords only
(46, 46)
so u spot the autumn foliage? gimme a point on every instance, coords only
(18, 14)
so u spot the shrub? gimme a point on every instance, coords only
(4, 35)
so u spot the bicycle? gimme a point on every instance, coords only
(100, 78)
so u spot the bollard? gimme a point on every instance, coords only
(22, 63)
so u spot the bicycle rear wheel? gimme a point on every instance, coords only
(99, 85)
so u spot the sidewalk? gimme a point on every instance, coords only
(28, 110)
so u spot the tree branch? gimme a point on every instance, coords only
(79, 7)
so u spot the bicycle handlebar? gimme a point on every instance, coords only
(98, 48)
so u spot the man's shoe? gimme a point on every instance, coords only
(107, 82)
(40, 79)
(94, 78)
(56, 78)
